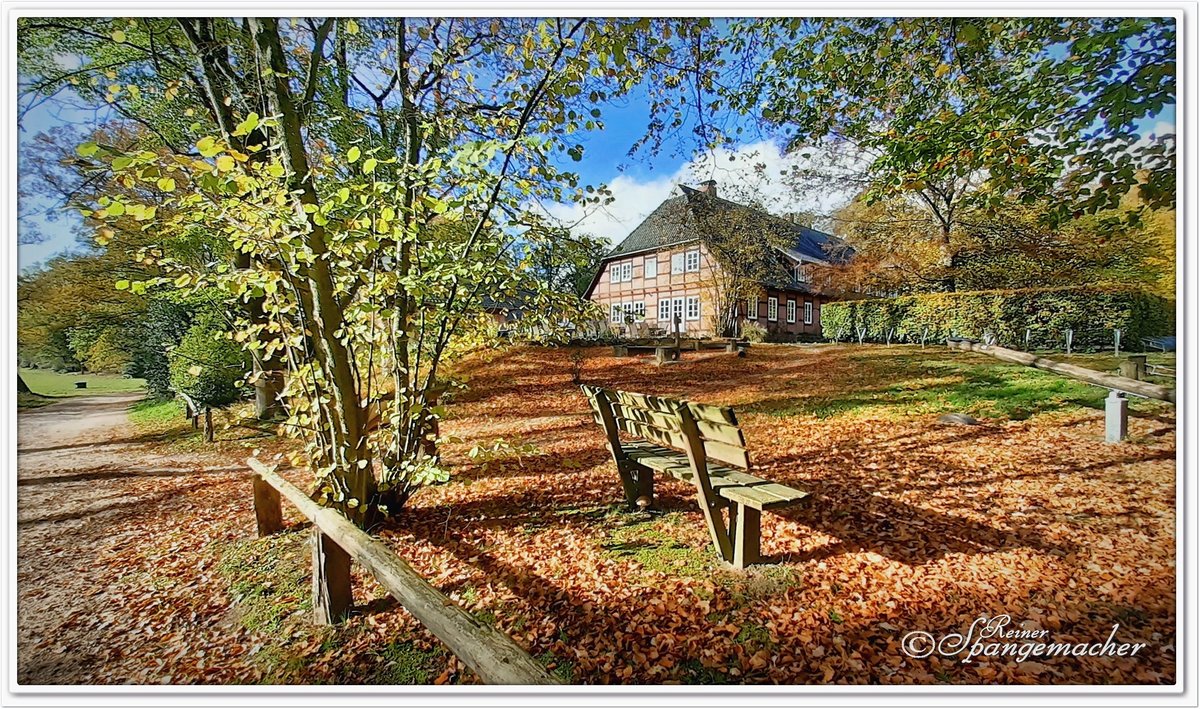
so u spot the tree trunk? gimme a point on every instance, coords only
(22, 387)
(208, 426)
(348, 449)
(949, 283)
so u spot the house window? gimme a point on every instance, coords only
(693, 307)
(615, 314)
(692, 261)
(627, 271)
(791, 310)
(807, 313)
(639, 309)
(772, 309)
(801, 273)
(676, 263)
(614, 272)
(752, 308)
(664, 311)
(676, 309)
(651, 267)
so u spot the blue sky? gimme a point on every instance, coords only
(638, 183)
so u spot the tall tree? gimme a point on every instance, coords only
(375, 183)
(955, 113)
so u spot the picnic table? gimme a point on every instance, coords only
(697, 443)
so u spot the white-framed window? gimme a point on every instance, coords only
(791, 310)
(802, 273)
(614, 273)
(752, 309)
(676, 263)
(691, 261)
(676, 308)
(639, 309)
(772, 309)
(693, 307)
(808, 312)
(615, 313)
(664, 311)
(651, 267)
(627, 271)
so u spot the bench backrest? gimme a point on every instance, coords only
(660, 420)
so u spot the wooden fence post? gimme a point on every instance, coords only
(330, 579)
(1116, 417)
(268, 509)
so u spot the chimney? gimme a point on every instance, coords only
(709, 187)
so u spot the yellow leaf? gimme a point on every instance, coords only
(118, 36)
(195, 370)
(225, 163)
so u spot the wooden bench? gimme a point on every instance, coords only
(697, 443)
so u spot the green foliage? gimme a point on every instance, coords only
(1090, 312)
(933, 104)
(208, 366)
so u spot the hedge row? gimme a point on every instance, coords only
(1090, 312)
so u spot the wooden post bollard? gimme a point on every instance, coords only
(330, 580)
(1116, 417)
(1134, 367)
(1117, 342)
(268, 509)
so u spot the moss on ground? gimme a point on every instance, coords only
(269, 580)
(645, 540)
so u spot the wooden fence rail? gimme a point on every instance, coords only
(492, 655)
(1091, 376)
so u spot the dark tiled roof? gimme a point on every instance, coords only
(675, 222)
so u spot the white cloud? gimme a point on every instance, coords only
(749, 173)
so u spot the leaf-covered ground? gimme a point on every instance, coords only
(912, 526)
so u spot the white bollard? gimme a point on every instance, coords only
(1116, 417)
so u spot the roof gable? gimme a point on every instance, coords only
(675, 222)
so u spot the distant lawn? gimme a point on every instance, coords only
(48, 383)
(904, 382)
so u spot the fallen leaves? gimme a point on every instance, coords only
(912, 527)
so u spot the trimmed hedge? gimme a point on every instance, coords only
(1091, 312)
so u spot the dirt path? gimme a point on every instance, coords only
(98, 599)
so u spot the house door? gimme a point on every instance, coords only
(677, 314)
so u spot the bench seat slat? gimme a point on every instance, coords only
(734, 485)
(761, 499)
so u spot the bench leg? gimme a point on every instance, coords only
(746, 535)
(645, 484)
(630, 476)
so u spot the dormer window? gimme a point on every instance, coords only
(800, 273)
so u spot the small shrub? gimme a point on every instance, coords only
(208, 367)
(1090, 312)
(753, 332)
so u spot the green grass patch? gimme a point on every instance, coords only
(156, 413)
(754, 636)
(644, 540)
(269, 580)
(696, 673)
(403, 662)
(562, 669)
(48, 383)
(26, 400)
(903, 385)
